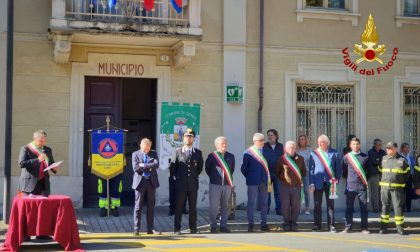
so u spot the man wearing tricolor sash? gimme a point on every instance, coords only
(355, 165)
(33, 159)
(324, 173)
(220, 166)
(290, 170)
(255, 169)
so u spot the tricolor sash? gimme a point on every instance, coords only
(287, 159)
(357, 167)
(38, 152)
(255, 153)
(225, 167)
(327, 166)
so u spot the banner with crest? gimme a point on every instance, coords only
(175, 119)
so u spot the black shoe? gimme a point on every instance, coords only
(400, 230)
(213, 230)
(194, 231)
(154, 232)
(136, 233)
(224, 230)
(316, 229)
(265, 228)
(171, 213)
(44, 237)
(115, 212)
(346, 230)
(27, 239)
(293, 228)
(185, 211)
(278, 211)
(286, 228)
(250, 228)
(231, 216)
(383, 231)
(103, 212)
(332, 229)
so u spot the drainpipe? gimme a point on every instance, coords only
(261, 79)
(8, 126)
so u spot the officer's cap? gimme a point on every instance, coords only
(391, 144)
(189, 132)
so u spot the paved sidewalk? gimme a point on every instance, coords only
(89, 220)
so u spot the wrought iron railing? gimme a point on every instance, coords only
(411, 129)
(128, 10)
(325, 109)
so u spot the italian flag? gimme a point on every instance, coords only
(177, 4)
(149, 5)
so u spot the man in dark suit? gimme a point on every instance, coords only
(324, 171)
(145, 181)
(33, 159)
(220, 166)
(187, 164)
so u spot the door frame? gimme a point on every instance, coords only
(77, 100)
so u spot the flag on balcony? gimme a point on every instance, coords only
(149, 5)
(177, 4)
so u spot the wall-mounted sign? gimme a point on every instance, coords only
(234, 93)
(120, 69)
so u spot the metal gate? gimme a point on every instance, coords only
(325, 109)
(410, 122)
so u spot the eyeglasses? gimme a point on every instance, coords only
(188, 136)
(260, 140)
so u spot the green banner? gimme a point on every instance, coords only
(175, 119)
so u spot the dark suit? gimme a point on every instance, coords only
(186, 171)
(29, 164)
(145, 182)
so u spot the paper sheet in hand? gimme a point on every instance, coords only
(56, 164)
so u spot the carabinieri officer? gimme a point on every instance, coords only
(187, 164)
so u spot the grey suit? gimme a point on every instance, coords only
(145, 182)
(29, 164)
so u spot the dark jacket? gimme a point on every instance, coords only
(354, 182)
(253, 171)
(395, 172)
(29, 164)
(416, 176)
(150, 167)
(272, 155)
(186, 171)
(317, 174)
(283, 171)
(213, 172)
(375, 158)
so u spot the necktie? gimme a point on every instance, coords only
(189, 154)
(145, 160)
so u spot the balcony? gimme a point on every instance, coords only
(124, 22)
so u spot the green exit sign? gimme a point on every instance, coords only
(234, 94)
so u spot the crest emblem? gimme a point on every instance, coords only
(369, 39)
(107, 148)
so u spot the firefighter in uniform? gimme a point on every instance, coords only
(186, 164)
(395, 171)
(115, 189)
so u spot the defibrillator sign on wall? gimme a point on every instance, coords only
(234, 94)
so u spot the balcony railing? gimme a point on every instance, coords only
(122, 10)
(125, 12)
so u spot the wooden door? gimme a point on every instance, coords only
(102, 99)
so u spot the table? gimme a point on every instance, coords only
(34, 216)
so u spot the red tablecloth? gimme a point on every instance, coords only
(53, 216)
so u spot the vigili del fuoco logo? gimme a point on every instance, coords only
(369, 51)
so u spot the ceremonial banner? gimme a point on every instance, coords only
(107, 148)
(175, 119)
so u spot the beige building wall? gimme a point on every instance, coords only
(42, 87)
(3, 52)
